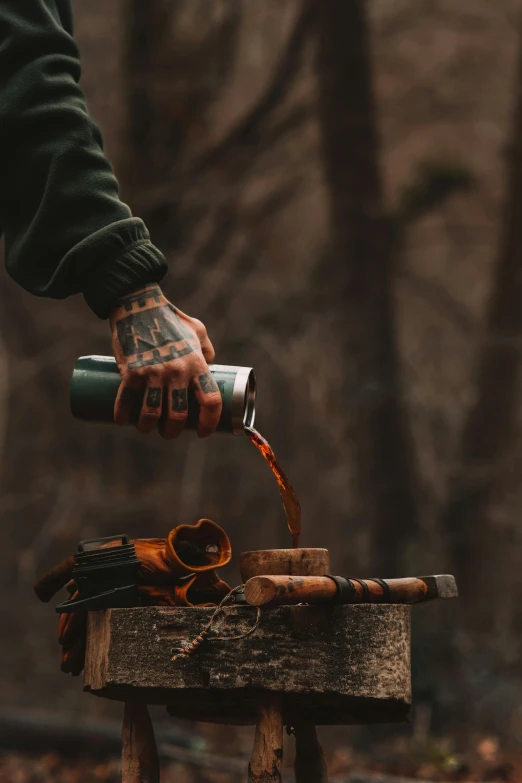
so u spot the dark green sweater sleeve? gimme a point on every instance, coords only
(66, 231)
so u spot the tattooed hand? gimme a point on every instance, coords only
(161, 352)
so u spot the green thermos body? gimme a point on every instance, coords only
(96, 379)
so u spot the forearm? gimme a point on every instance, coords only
(66, 230)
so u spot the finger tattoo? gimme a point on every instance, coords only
(179, 400)
(208, 383)
(154, 397)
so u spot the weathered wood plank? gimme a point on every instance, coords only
(345, 664)
(97, 648)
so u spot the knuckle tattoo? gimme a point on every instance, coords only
(179, 400)
(207, 383)
(154, 395)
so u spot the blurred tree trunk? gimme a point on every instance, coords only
(491, 423)
(362, 273)
(148, 135)
(180, 56)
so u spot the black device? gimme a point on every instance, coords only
(105, 577)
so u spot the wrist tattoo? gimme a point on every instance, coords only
(154, 397)
(207, 383)
(152, 292)
(150, 331)
(179, 400)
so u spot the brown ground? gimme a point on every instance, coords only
(391, 761)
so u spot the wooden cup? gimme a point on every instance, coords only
(285, 562)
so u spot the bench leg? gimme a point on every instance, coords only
(139, 762)
(267, 753)
(309, 765)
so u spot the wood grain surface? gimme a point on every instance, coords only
(332, 665)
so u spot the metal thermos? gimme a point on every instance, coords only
(96, 379)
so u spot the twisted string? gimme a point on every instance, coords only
(189, 648)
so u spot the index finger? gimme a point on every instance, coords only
(129, 399)
(208, 397)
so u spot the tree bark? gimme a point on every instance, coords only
(363, 276)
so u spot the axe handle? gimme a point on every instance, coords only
(271, 591)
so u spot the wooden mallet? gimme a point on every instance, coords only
(270, 591)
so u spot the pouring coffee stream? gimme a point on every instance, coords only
(287, 492)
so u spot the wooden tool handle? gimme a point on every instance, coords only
(271, 591)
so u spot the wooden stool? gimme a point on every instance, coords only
(304, 666)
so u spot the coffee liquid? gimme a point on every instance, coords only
(288, 496)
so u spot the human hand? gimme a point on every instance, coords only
(162, 351)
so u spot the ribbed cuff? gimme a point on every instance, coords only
(125, 257)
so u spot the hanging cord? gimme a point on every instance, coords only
(189, 648)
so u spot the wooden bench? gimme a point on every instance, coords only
(303, 666)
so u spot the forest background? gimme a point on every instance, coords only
(338, 189)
